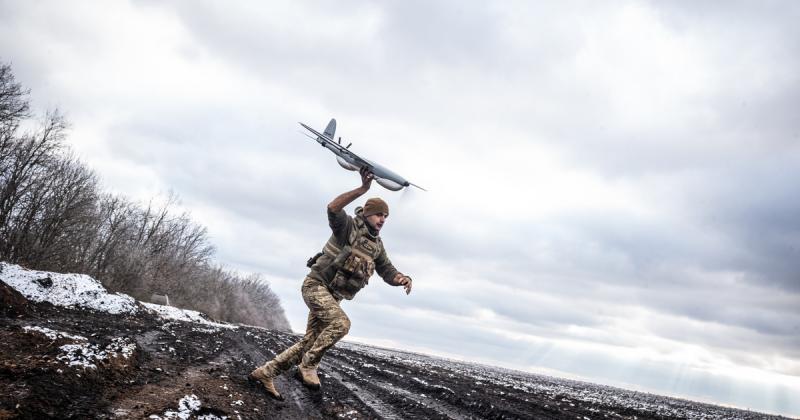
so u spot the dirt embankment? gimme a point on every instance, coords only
(68, 363)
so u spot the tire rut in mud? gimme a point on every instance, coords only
(381, 408)
(451, 393)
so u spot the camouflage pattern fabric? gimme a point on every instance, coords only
(327, 324)
(356, 269)
(351, 233)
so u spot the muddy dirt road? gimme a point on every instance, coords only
(67, 363)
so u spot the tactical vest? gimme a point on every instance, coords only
(354, 262)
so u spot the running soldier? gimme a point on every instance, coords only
(349, 258)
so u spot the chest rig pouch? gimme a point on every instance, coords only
(355, 263)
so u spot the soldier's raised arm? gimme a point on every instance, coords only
(337, 218)
(338, 204)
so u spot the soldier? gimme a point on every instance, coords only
(353, 252)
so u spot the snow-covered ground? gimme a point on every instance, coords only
(52, 334)
(178, 314)
(68, 290)
(186, 408)
(84, 292)
(80, 352)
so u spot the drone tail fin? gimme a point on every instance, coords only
(330, 130)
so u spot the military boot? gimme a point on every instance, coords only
(308, 376)
(261, 374)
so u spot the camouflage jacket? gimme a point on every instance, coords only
(351, 232)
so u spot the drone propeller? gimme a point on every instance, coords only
(411, 183)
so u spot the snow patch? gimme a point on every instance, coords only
(82, 353)
(68, 290)
(186, 406)
(178, 314)
(52, 334)
(86, 355)
(121, 346)
(82, 291)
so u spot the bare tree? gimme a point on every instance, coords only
(65, 219)
(13, 98)
(14, 108)
(26, 166)
(113, 227)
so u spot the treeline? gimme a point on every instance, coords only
(54, 216)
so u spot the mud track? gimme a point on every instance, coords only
(172, 361)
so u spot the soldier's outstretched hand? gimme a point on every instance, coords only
(366, 177)
(404, 281)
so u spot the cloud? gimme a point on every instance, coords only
(610, 186)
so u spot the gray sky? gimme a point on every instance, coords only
(613, 188)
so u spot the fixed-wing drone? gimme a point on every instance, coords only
(353, 162)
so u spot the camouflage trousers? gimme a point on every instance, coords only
(327, 324)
